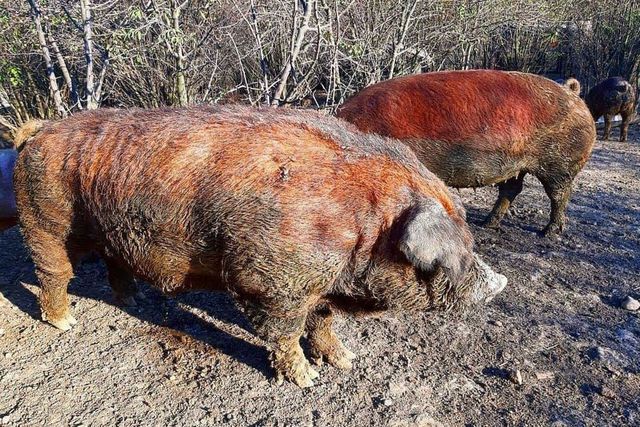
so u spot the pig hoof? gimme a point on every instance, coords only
(301, 375)
(491, 223)
(337, 355)
(341, 359)
(65, 323)
(339, 362)
(295, 369)
(129, 301)
(552, 230)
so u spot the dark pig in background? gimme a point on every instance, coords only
(611, 97)
(294, 213)
(482, 127)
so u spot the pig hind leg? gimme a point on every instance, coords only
(53, 264)
(122, 283)
(607, 127)
(508, 191)
(624, 126)
(281, 328)
(559, 192)
(323, 341)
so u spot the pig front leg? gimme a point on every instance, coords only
(607, 127)
(323, 341)
(282, 328)
(624, 126)
(122, 284)
(507, 192)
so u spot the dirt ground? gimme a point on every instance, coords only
(191, 360)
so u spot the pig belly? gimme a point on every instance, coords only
(463, 167)
(170, 266)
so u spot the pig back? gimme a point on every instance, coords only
(180, 195)
(476, 127)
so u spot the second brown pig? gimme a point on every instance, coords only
(482, 127)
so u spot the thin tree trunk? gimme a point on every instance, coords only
(181, 84)
(103, 73)
(85, 8)
(263, 60)
(65, 71)
(399, 44)
(297, 38)
(53, 83)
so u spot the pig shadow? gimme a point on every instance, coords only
(476, 216)
(90, 281)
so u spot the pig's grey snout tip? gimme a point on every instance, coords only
(497, 287)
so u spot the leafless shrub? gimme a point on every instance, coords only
(61, 56)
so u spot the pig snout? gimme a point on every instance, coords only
(488, 282)
(496, 286)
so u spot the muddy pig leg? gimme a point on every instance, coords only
(323, 341)
(54, 270)
(281, 328)
(624, 126)
(122, 284)
(607, 127)
(559, 192)
(508, 191)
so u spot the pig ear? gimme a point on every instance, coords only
(431, 238)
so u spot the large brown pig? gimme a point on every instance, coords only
(610, 97)
(482, 127)
(293, 213)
